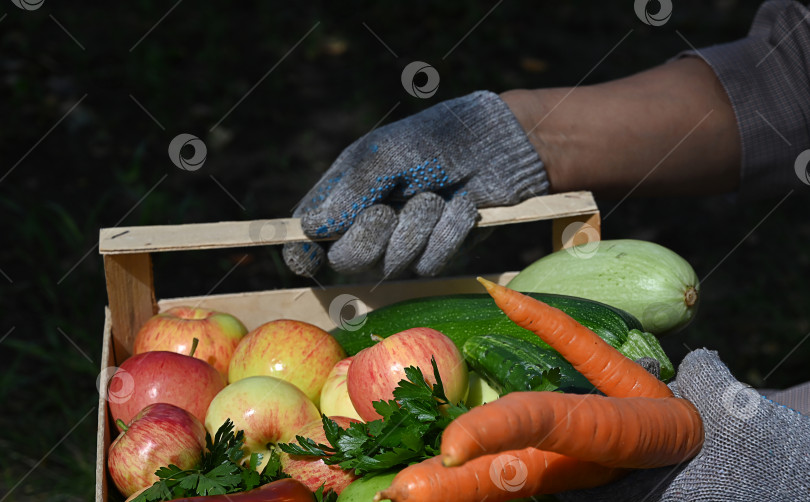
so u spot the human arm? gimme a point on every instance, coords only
(670, 130)
(731, 117)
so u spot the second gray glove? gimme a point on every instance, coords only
(407, 193)
(754, 448)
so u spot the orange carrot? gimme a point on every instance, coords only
(605, 367)
(500, 477)
(633, 432)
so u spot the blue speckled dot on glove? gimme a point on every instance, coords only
(407, 193)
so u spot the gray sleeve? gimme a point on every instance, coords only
(767, 78)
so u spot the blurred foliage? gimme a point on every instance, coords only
(92, 96)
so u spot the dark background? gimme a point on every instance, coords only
(79, 151)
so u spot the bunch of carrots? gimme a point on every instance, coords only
(558, 442)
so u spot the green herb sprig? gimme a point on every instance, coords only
(219, 472)
(409, 431)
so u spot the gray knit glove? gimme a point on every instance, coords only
(755, 449)
(407, 193)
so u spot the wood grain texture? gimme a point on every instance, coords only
(103, 438)
(313, 305)
(130, 296)
(228, 234)
(575, 230)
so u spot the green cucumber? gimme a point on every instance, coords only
(643, 344)
(465, 315)
(645, 279)
(512, 364)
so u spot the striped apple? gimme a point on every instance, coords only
(175, 330)
(161, 434)
(296, 351)
(268, 409)
(335, 400)
(163, 377)
(313, 471)
(375, 371)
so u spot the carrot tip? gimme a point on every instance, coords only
(487, 284)
(448, 462)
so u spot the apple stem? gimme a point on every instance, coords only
(120, 423)
(193, 347)
(376, 338)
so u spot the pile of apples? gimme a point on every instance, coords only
(273, 383)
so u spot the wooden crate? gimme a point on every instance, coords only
(131, 292)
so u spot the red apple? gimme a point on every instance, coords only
(295, 351)
(312, 471)
(375, 371)
(163, 377)
(161, 434)
(268, 409)
(174, 330)
(335, 400)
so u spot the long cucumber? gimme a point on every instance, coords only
(465, 315)
(510, 364)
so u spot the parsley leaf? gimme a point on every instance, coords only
(219, 472)
(547, 380)
(329, 496)
(409, 431)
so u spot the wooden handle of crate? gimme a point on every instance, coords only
(128, 264)
(573, 206)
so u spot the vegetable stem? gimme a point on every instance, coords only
(120, 423)
(690, 297)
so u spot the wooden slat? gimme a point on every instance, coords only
(103, 432)
(575, 230)
(546, 207)
(228, 234)
(131, 297)
(312, 304)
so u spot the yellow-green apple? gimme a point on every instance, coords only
(480, 391)
(295, 351)
(161, 434)
(375, 371)
(163, 377)
(335, 400)
(268, 409)
(174, 330)
(364, 489)
(312, 471)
